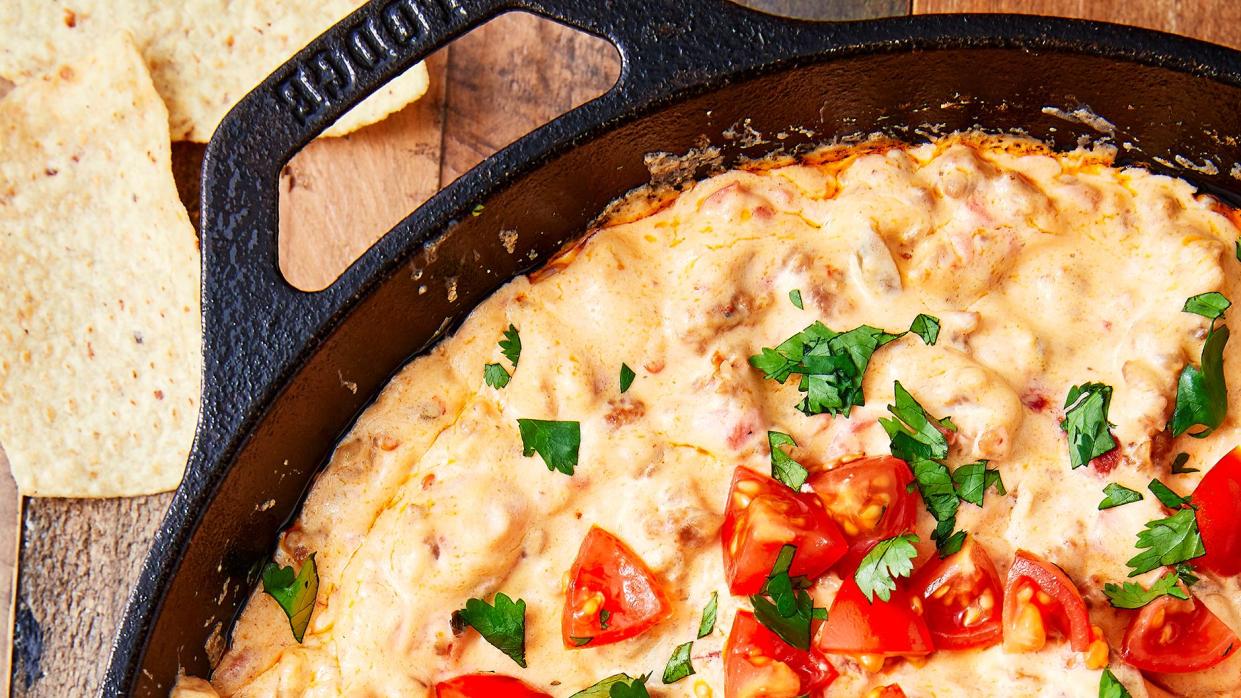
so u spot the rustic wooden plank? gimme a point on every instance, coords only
(1211, 20)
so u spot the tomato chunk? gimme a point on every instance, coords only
(762, 515)
(962, 598)
(873, 630)
(1039, 596)
(758, 664)
(1172, 636)
(1218, 497)
(869, 499)
(611, 595)
(485, 686)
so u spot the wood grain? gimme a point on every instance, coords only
(1212, 20)
(79, 558)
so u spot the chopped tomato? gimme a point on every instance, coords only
(1218, 498)
(872, 630)
(870, 500)
(1038, 595)
(485, 686)
(1107, 462)
(1172, 636)
(892, 690)
(611, 595)
(961, 597)
(762, 515)
(758, 664)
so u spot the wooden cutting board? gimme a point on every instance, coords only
(78, 559)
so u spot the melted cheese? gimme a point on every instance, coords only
(1047, 270)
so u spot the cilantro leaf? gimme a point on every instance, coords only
(973, 479)
(1131, 595)
(783, 467)
(830, 364)
(1185, 571)
(556, 442)
(940, 496)
(926, 327)
(616, 686)
(889, 559)
(913, 434)
(1209, 305)
(1201, 393)
(784, 606)
(1166, 496)
(1110, 686)
(295, 593)
(1116, 495)
(1167, 542)
(1085, 421)
(1238, 245)
(952, 545)
(795, 299)
(510, 346)
(604, 616)
(626, 377)
(1178, 464)
(679, 665)
(495, 376)
(502, 624)
(707, 624)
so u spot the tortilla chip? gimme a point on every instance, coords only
(204, 55)
(100, 359)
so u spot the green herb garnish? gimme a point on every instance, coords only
(616, 686)
(707, 624)
(914, 434)
(783, 467)
(1085, 421)
(926, 327)
(972, 481)
(502, 625)
(889, 559)
(626, 377)
(1209, 305)
(510, 346)
(1201, 392)
(1116, 495)
(1167, 542)
(784, 606)
(1131, 595)
(940, 497)
(1110, 686)
(795, 299)
(1166, 496)
(295, 593)
(556, 442)
(495, 376)
(1178, 464)
(679, 665)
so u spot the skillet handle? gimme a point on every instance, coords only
(254, 322)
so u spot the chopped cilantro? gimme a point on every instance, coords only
(889, 559)
(915, 435)
(1209, 305)
(795, 299)
(783, 467)
(952, 545)
(1085, 421)
(1185, 571)
(581, 641)
(972, 481)
(616, 686)
(495, 375)
(604, 616)
(1116, 495)
(707, 624)
(1110, 686)
(626, 377)
(502, 625)
(295, 593)
(1166, 496)
(510, 346)
(940, 497)
(556, 442)
(1131, 595)
(1201, 392)
(926, 327)
(830, 364)
(1178, 464)
(679, 665)
(1167, 542)
(784, 606)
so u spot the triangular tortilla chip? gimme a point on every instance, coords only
(204, 55)
(100, 358)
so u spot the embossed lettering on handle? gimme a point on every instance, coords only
(313, 84)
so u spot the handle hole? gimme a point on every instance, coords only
(340, 195)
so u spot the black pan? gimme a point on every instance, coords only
(286, 372)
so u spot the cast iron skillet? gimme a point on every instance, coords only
(287, 371)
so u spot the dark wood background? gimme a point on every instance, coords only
(77, 559)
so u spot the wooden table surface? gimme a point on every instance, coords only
(77, 559)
